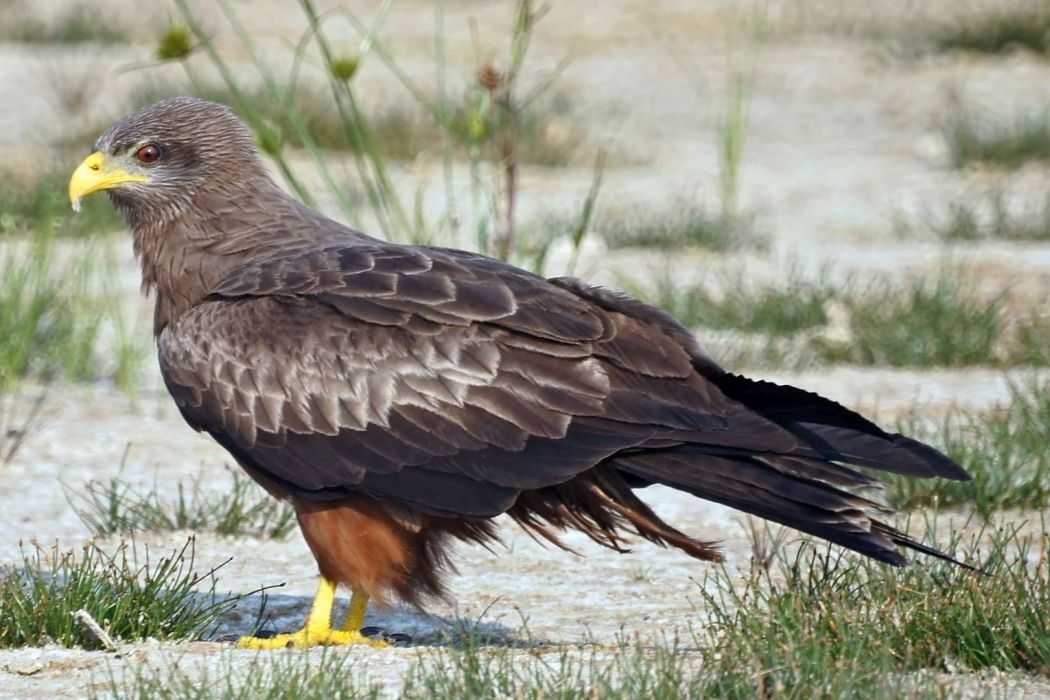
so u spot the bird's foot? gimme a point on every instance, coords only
(307, 637)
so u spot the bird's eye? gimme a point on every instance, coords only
(148, 154)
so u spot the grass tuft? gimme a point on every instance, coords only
(796, 307)
(921, 324)
(40, 205)
(1032, 340)
(545, 133)
(1004, 450)
(400, 132)
(47, 325)
(78, 25)
(827, 624)
(934, 322)
(1002, 30)
(976, 138)
(54, 304)
(19, 419)
(158, 598)
(327, 675)
(989, 215)
(687, 225)
(116, 507)
(471, 668)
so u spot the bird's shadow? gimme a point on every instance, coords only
(264, 614)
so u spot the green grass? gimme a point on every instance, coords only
(20, 417)
(683, 226)
(938, 322)
(922, 323)
(772, 320)
(400, 132)
(978, 138)
(49, 327)
(1004, 450)
(984, 29)
(989, 215)
(497, 122)
(797, 306)
(53, 307)
(79, 25)
(817, 624)
(324, 675)
(1009, 28)
(35, 205)
(116, 507)
(935, 322)
(825, 624)
(547, 133)
(628, 670)
(1033, 340)
(156, 597)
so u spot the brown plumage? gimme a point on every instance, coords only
(402, 396)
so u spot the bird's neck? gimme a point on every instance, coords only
(184, 258)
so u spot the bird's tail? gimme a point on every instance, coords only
(833, 432)
(801, 483)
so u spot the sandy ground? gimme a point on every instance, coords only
(551, 596)
(843, 140)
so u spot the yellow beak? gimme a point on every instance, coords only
(93, 175)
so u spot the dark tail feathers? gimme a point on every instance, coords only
(835, 432)
(797, 486)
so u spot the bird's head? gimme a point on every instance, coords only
(154, 162)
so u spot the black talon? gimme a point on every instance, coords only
(398, 639)
(370, 631)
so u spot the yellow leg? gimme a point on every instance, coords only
(355, 615)
(318, 628)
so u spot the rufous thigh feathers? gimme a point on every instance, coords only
(382, 550)
(359, 543)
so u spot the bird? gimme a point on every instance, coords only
(401, 397)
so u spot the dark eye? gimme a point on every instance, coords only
(148, 154)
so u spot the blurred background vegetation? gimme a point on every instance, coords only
(305, 107)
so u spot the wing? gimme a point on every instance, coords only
(448, 386)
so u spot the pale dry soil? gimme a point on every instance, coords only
(843, 141)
